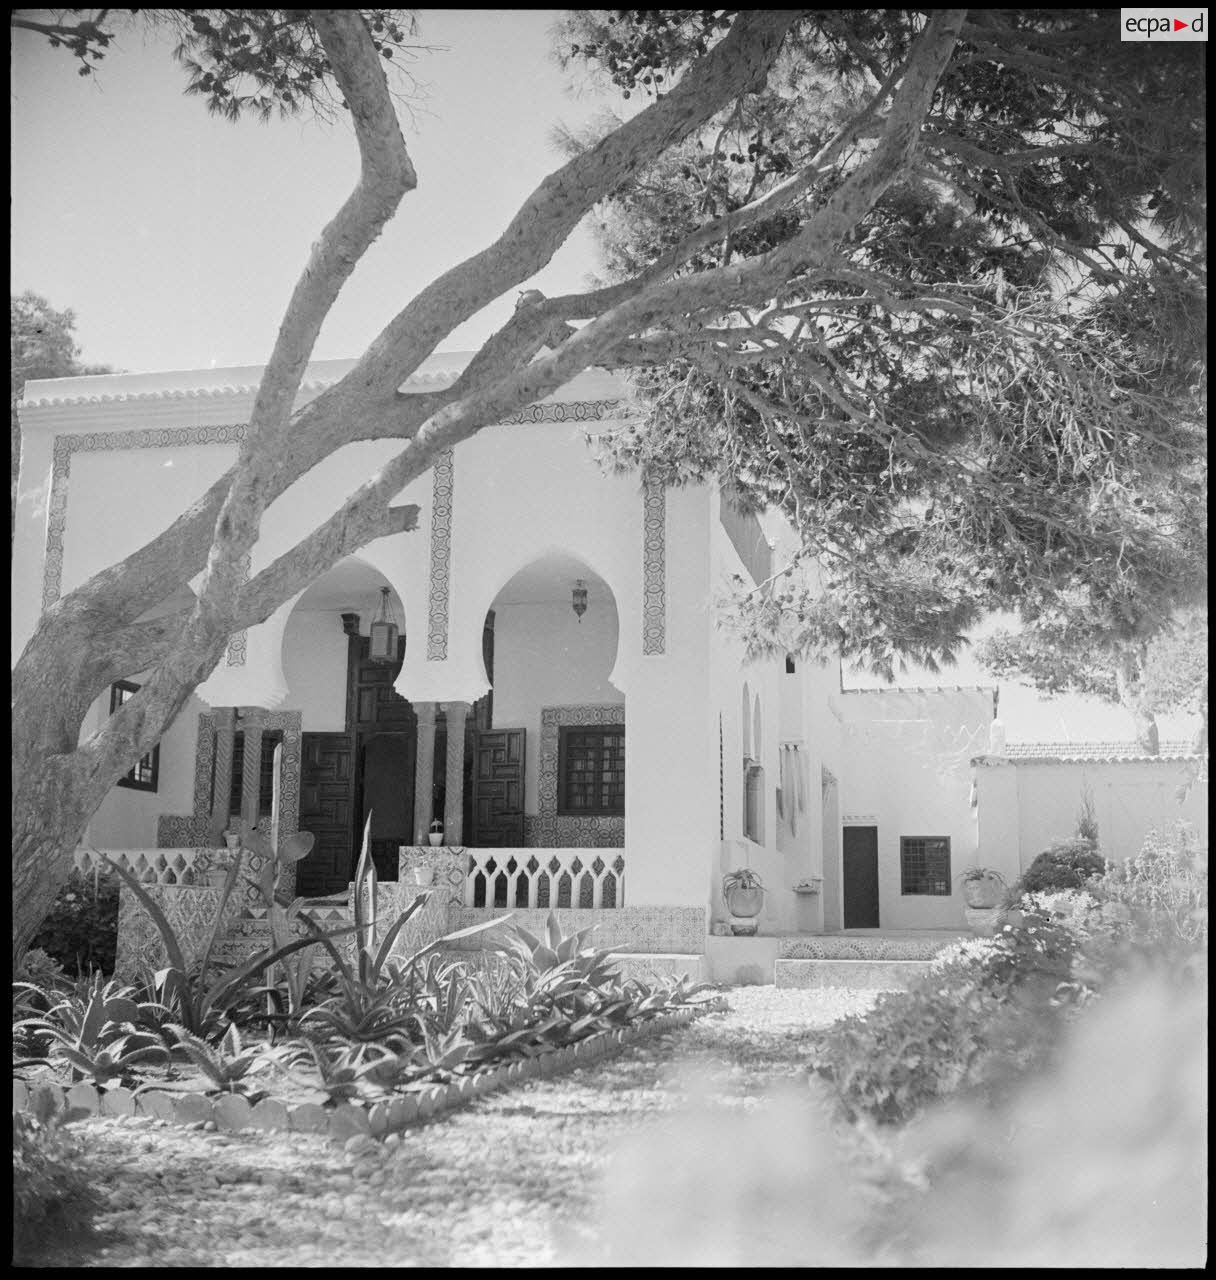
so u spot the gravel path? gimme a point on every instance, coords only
(513, 1180)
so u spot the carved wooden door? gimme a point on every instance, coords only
(498, 789)
(372, 702)
(327, 809)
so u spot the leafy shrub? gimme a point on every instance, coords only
(986, 1012)
(1068, 864)
(81, 930)
(50, 1194)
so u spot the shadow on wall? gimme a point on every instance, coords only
(1103, 1164)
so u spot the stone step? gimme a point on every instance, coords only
(855, 975)
(911, 945)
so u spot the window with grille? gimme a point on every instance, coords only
(753, 801)
(146, 773)
(270, 739)
(924, 865)
(591, 771)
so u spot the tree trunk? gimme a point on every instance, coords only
(44, 845)
(1147, 736)
(1129, 681)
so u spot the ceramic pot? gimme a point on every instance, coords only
(744, 903)
(982, 921)
(434, 838)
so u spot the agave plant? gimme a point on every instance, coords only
(563, 971)
(378, 993)
(344, 1072)
(100, 1032)
(227, 1065)
(198, 997)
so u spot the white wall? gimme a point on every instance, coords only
(314, 664)
(126, 818)
(907, 771)
(1129, 798)
(545, 657)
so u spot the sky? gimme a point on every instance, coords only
(131, 204)
(176, 238)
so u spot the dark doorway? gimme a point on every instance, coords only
(860, 853)
(386, 793)
(498, 789)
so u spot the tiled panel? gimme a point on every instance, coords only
(655, 929)
(654, 568)
(548, 829)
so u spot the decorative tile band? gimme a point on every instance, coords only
(571, 411)
(238, 639)
(654, 568)
(649, 929)
(829, 947)
(66, 445)
(234, 433)
(441, 557)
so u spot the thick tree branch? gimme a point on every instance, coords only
(385, 175)
(739, 64)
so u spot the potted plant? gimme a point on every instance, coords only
(743, 893)
(211, 868)
(983, 888)
(435, 835)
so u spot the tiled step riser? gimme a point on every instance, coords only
(854, 975)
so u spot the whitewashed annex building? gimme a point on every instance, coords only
(558, 696)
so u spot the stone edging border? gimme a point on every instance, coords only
(232, 1112)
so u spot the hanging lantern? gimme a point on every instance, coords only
(384, 632)
(580, 598)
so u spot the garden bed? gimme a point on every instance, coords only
(233, 1112)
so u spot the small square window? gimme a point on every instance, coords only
(591, 771)
(146, 773)
(924, 866)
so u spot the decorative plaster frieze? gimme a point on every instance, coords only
(654, 568)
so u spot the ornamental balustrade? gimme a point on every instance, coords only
(545, 878)
(152, 866)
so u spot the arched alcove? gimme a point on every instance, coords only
(548, 762)
(343, 601)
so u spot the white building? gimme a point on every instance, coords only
(617, 759)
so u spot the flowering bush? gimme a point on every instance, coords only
(968, 951)
(1164, 889)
